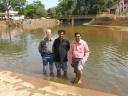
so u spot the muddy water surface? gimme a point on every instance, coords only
(106, 69)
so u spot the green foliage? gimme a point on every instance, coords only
(35, 10)
(52, 12)
(64, 8)
(2, 8)
(82, 7)
(8, 4)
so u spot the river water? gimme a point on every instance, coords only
(106, 69)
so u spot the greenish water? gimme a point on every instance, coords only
(106, 69)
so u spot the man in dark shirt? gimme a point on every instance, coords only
(60, 49)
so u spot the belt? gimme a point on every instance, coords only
(77, 58)
(47, 53)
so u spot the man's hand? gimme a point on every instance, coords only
(72, 65)
(82, 62)
(42, 54)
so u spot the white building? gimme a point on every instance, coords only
(14, 15)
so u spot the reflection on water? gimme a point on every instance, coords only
(106, 69)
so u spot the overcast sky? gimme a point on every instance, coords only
(47, 3)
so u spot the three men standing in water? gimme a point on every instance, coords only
(60, 51)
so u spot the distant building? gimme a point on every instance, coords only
(12, 15)
(119, 7)
(2, 16)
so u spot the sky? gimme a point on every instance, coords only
(47, 3)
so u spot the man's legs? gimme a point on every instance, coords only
(51, 66)
(64, 67)
(58, 67)
(78, 76)
(79, 72)
(77, 69)
(45, 64)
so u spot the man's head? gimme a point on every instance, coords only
(77, 36)
(61, 34)
(49, 33)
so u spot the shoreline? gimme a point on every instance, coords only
(116, 27)
(14, 84)
(29, 24)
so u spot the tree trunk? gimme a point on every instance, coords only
(7, 14)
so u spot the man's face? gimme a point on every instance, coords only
(49, 33)
(61, 35)
(77, 37)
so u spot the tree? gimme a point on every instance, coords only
(52, 12)
(66, 7)
(35, 10)
(82, 7)
(2, 7)
(6, 5)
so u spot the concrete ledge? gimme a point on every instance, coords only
(13, 84)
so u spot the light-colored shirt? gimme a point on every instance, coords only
(78, 50)
(46, 45)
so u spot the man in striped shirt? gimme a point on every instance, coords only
(78, 55)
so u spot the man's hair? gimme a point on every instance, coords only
(77, 33)
(48, 30)
(59, 31)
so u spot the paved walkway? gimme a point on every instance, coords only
(13, 84)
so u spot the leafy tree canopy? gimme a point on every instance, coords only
(6, 5)
(35, 10)
(82, 7)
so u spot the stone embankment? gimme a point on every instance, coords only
(29, 23)
(39, 23)
(13, 84)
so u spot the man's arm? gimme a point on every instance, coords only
(70, 55)
(86, 52)
(53, 47)
(40, 47)
(68, 45)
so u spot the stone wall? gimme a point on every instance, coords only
(39, 23)
(29, 23)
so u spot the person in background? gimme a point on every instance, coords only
(60, 48)
(78, 55)
(46, 51)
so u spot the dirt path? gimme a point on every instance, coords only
(13, 84)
